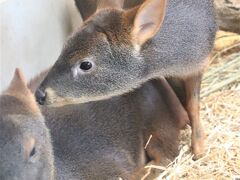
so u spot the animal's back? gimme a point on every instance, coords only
(93, 132)
(187, 35)
(86, 135)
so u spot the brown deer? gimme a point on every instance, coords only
(96, 140)
(105, 139)
(117, 50)
(25, 143)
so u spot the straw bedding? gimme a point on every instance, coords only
(220, 115)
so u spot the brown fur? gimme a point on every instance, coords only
(25, 143)
(162, 148)
(20, 94)
(129, 48)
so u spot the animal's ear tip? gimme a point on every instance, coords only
(19, 74)
(18, 80)
(18, 71)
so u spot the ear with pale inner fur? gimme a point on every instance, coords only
(148, 20)
(116, 4)
(18, 88)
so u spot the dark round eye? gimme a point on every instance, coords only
(86, 65)
(33, 152)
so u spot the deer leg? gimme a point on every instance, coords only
(192, 86)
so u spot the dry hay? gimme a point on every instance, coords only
(220, 115)
(226, 41)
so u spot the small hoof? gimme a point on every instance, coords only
(198, 151)
(197, 156)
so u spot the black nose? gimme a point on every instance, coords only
(40, 96)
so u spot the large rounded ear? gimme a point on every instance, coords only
(116, 4)
(147, 20)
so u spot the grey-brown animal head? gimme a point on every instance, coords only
(102, 59)
(25, 147)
